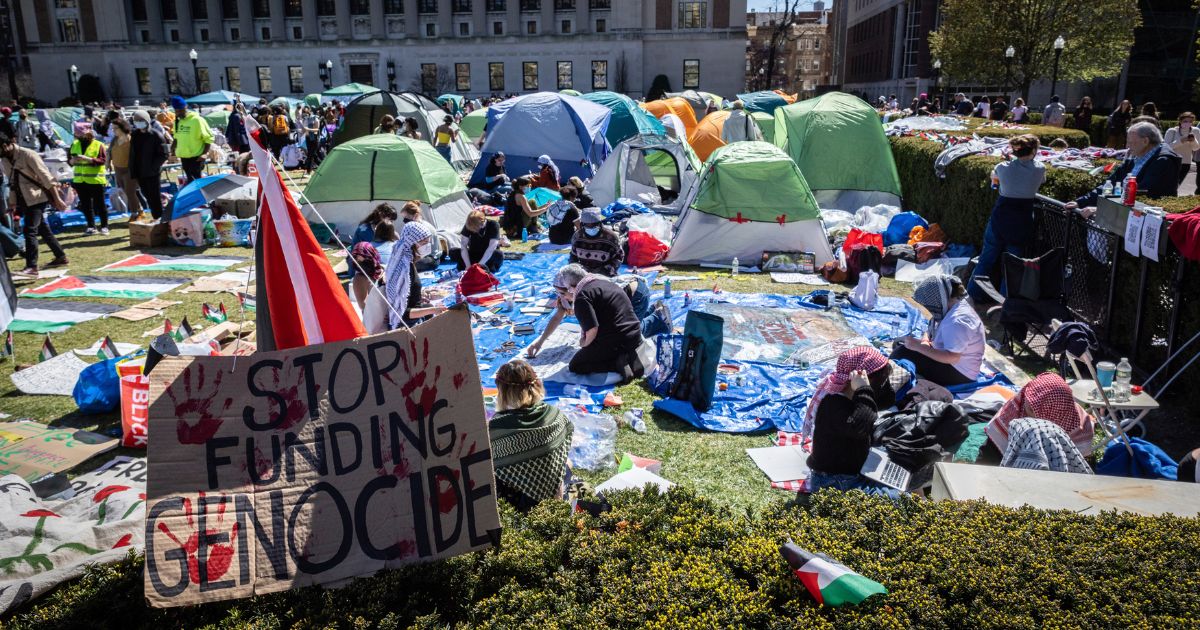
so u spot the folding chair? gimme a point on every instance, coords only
(1093, 398)
(1037, 290)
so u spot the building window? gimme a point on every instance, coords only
(912, 40)
(816, 44)
(203, 34)
(297, 32)
(461, 6)
(600, 75)
(293, 8)
(393, 7)
(564, 5)
(600, 4)
(529, 75)
(261, 9)
(235, 33)
(205, 83)
(199, 9)
(565, 75)
(427, 6)
(229, 9)
(429, 78)
(497, 28)
(531, 27)
(431, 30)
(693, 14)
(496, 76)
(173, 81)
(326, 7)
(264, 79)
(233, 76)
(68, 30)
(691, 73)
(145, 36)
(531, 5)
(296, 79)
(601, 26)
(360, 7)
(138, 10)
(265, 33)
(143, 80)
(462, 77)
(174, 35)
(565, 27)
(168, 10)
(497, 5)
(464, 29)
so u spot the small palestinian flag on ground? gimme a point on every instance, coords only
(108, 349)
(183, 331)
(168, 329)
(247, 301)
(48, 351)
(213, 314)
(831, 583)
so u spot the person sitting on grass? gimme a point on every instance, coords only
(952, 351)
(431, 254)
(563, 217)
(530, 439)
(1046, 397)
(596, 247)
(402, 304)
(841, 419)
(521, 213)
(480, 243)
(610, 331)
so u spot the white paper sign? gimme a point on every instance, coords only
(784, 277)
(52, 377)
(1151, 228)
(781, 463)
(1133, 234)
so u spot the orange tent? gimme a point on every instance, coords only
(676, 106)
(707, 136)
(790, 98)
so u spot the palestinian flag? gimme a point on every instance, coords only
(147, 262)
(830, 583)
(183, 331)
(214, 314)
(105, 287)
(247, 301)
(47, 316)
(48, 351)
(108, 349)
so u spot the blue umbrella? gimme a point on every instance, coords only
(204, 190)
(542, 196)
(221, 97)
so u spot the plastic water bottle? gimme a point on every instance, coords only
(524, 235)
(1107, 189)
(636, 420)
(1117, 191)
(1122, 380)
(667, 288)
(734, 272)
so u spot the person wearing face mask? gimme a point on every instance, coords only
(118, 161)
(147, 153)
(596, 247)
(87, 158)
(32, 191)
(841, 419)
(1152, 162)
(610, 331)
(1183, 141)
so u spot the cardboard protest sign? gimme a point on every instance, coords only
(315, 465)
(33, 450)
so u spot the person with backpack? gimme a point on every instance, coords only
(280, 130)
(33, 191)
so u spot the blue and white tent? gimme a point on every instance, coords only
(567, 128)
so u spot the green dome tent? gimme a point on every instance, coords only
(837, 141)
(364, 114)
(750, 198)
(766, 124)
(473, 124)
(360, 174)
(348, 91)
(628, 120)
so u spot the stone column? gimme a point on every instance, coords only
(412, 23)
(548, 24)
(154, 21)
(513, 8)
(183, 9)
(583, 16)
(309, 8)
(345, 26)
(216, 26)
(445, 19)
(278, 23)
(245, 21)
(378, 23)
(479, 20)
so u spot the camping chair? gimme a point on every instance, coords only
(1037, 290)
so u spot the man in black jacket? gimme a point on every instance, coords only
(1153, 163)
(147, 153)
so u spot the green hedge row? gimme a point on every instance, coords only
(1098, 130)
(679, 561)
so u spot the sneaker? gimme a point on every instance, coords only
(90, 231)
(104, 230)
(29, 271)
(61, 261)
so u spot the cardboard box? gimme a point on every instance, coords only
(149, 234)
(245, 208)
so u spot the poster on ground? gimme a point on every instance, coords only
(316, 465)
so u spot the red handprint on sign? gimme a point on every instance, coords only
(197, 399)
(220, 556)
(425, 402)
(287, 383)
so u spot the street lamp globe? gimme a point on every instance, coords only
(193, 55)
(329, 64)
(1060, 43)
(1010, 52)
(74, 68)
(937, 64)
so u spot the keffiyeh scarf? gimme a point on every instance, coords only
(529, 450)
(865, 358)
(1039, 444)
(1049, 398)
(399, 276)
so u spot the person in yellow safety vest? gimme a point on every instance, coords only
(88, 158)
(192, 138)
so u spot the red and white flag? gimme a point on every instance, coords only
(303, 298)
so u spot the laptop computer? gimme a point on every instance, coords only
(879, 467)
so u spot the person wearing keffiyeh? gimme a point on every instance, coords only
(1047, 397)
(841, 417)
(1039, 444)
(402, 285)
(530, 439)
(952, 352)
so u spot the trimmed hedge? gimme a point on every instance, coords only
(679, 561)
(1045, 135)
(1098, 131)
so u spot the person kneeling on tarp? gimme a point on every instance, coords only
(611, 332)
(1047, 397)
(530, 439)
(953, 352)
(841, 419)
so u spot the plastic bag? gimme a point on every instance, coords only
(651, 223)
(594, 443)
(901, 226)
(646, 250)
(866, 294)
(98, 389)
(862, 237)
(875, 219)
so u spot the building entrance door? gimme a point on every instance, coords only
(362, 73)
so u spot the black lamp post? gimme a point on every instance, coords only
(328, 73)
(937, 82)
(194, 56)
(1059, 45)
(391, 75)
(1009, 53)
(73, 80)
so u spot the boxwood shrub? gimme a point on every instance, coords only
(680, 561)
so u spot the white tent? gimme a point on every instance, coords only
(645, 167)
(750, 199)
